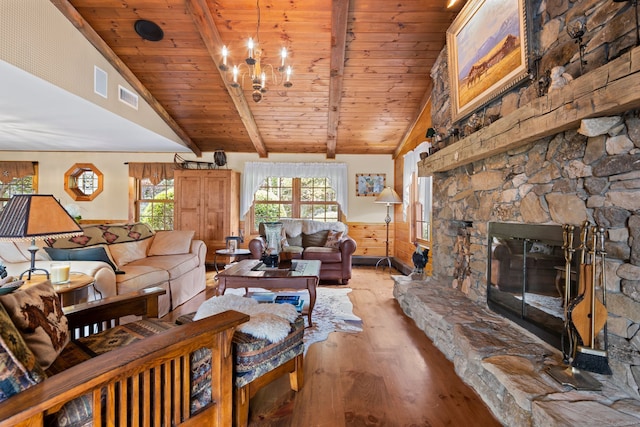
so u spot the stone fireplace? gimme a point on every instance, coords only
(544, 159)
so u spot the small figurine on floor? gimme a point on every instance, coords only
(420, 259)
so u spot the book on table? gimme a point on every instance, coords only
(263, 296)
(294, 300)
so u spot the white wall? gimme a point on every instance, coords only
(112, 202)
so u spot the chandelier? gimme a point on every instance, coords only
(254, 70)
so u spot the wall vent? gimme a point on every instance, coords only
(128, 97)
(100, 79)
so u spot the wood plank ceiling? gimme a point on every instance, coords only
(360, 68)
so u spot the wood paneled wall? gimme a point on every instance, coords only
(371, 238)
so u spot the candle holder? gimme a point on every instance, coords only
(60, 272)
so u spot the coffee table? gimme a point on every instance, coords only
(251, 273)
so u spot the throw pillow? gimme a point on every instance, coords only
(333, 239)
(19, 369)
(172, 242)
(315, 239)
(124, 253)
(36, 312)
(93, 253)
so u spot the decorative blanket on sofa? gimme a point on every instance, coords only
(104, 235)
(305, 232)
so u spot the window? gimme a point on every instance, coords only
(25, 185)
(422, 209)
(83, 182)
(308, 198)
(154, 203)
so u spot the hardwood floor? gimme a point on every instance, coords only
(390, 374)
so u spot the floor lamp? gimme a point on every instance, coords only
(390, 197)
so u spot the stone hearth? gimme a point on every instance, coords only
(505, 364)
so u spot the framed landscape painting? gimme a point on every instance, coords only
(369, 184)
(487, 46)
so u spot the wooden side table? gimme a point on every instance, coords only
(73, 292)
(243, 253)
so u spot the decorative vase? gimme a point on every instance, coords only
(220, 158)
(273, 235)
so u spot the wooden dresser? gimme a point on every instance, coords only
(208, 201)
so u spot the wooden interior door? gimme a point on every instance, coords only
(188, 203)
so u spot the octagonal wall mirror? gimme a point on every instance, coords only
(83, 182)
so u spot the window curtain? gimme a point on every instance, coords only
(411, 160)
(256, 172)
(11, 170)
(155, 172)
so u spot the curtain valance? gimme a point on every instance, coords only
(256, 172)
(19, 169)
(155, 172)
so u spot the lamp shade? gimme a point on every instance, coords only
(388, 195)
(36, 216)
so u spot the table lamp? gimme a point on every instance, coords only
(35, 216)
(390, 197)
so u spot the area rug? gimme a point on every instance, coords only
(333, 312)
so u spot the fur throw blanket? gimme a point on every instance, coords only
(268, 321)
(294, 227)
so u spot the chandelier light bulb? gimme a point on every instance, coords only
(225, 53)
(287, 82)
(283, 54)
(250, 46)
(235, 76)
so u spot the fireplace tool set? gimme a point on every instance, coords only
(585, 315)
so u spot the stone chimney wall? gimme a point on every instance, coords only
(589, 173)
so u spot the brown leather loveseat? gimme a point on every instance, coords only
(327, 242)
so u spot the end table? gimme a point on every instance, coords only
(229, 254)
(73, 292)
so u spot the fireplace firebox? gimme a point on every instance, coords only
(526, 276)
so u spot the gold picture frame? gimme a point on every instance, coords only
(488, 52)
(370, 184)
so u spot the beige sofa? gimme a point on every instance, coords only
(123, 258)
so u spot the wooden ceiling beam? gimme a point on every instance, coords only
(417, 120)
(92, 36)
(203, 19)
(339, 14)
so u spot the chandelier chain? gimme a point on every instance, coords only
(258, 23)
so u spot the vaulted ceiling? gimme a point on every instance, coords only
(360, 68)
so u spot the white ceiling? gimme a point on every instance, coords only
(38, 116)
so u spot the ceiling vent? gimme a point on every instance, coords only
(128, 97)
(100, 79)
